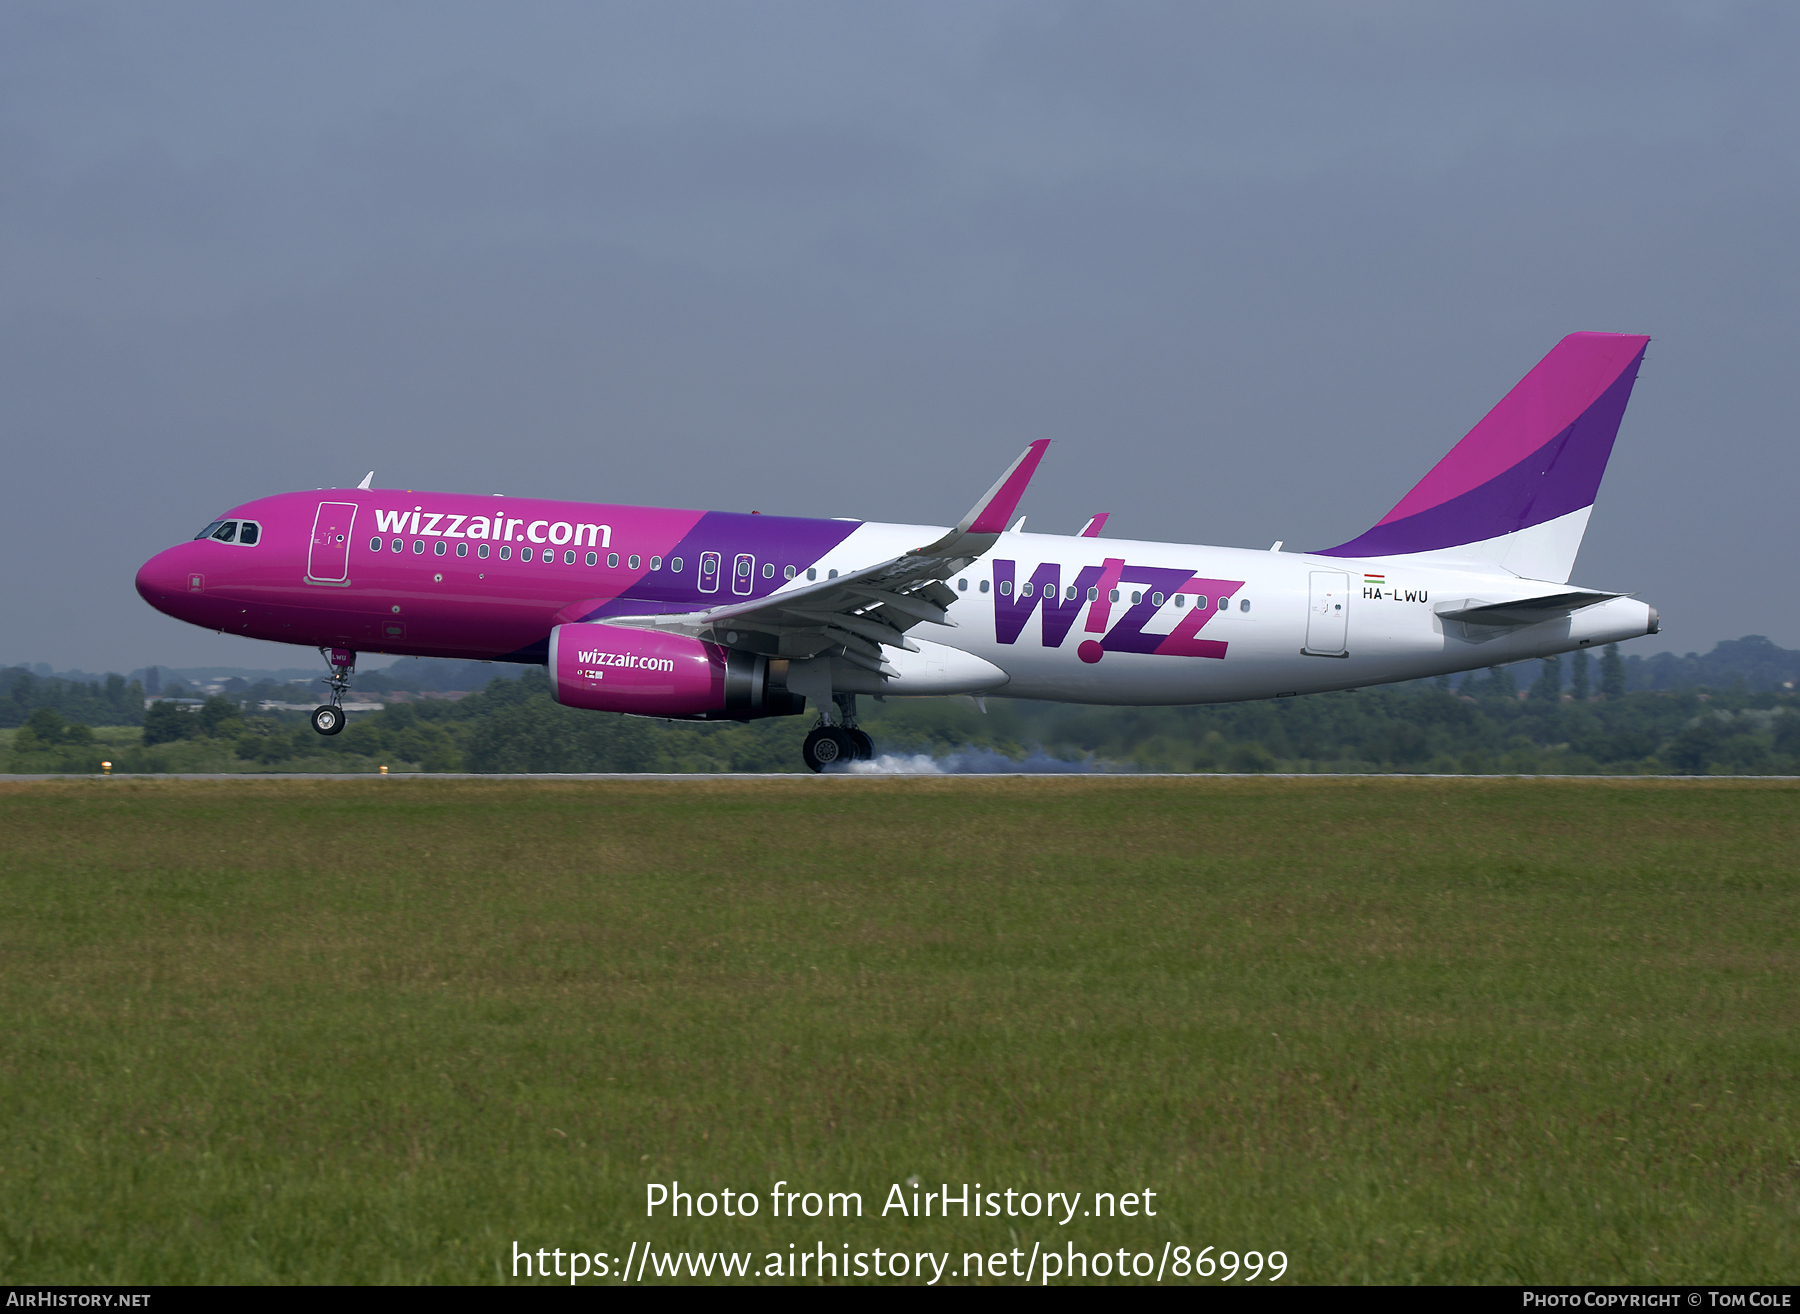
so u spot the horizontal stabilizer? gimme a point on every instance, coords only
(1524, 611)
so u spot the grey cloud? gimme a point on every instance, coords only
(1254, 268)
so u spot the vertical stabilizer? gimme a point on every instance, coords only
(1517, 490)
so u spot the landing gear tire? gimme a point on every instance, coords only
(328, 720)
(865, 746)
(827, 746)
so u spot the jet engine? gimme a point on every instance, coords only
(610, 668)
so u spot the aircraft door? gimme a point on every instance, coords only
(1328, 615)
(328, 559)
(709, 572)
(743, 573)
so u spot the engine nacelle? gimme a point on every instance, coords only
(610, 668)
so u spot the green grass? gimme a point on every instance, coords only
(1437, 1031)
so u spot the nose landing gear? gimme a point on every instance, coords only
(329, 718)
(827, 744)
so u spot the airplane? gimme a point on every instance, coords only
(723, 616)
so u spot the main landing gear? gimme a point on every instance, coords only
(328, 719)
(827, 744)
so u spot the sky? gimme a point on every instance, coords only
(1253, 267)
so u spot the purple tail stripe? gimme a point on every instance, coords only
(1559, 472)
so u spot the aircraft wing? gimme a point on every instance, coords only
(862, 611)
(1524, 611)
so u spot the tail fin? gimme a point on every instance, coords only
(1517, 491)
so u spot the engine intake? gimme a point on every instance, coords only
(609, 668)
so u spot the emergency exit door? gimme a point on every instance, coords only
(328, 559)
(1328, 615)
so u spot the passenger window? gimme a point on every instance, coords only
(675, 564)
(227, 532)
(249, 532)
(505, 554)
(812, 572)
(831, 575)
(1180, 601)
(1156, 599)
(634, 561)
(418, 547)
(788, 572)
(1113, 596)
(1027, 589)
(462, 549)
(962, 586)
(984, 586)
(743, 566)
(375, 544)
(208, 531)
(1244, 606)
(482, 551)
(1137, 595)
(440, 548)
(1224, 604)
(768, 570)
(593, 558)
(1093, 595)
(612, 560)
(1006, 588)
(569, 557)
(524, 554)
(1200, 602)
(655, 563)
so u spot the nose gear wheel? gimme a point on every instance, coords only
(329, 718)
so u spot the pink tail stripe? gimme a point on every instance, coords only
(1558, 390)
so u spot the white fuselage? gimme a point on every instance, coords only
(1296, 623)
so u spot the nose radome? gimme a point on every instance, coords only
(162, 578)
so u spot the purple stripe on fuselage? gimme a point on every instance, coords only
(779, 541)
(1561, 476)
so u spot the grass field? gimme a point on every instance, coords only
(1401, 1030)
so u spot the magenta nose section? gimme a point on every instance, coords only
(164, 580)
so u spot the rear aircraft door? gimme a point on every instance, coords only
(709, 572)
(328, 559)
(743, 573)
(1328, 615)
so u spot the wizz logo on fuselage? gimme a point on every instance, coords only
(1093, 588)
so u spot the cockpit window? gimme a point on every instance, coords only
(245, 533)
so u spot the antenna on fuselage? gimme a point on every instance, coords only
(364, 485)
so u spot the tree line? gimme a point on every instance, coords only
(1574, 717)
